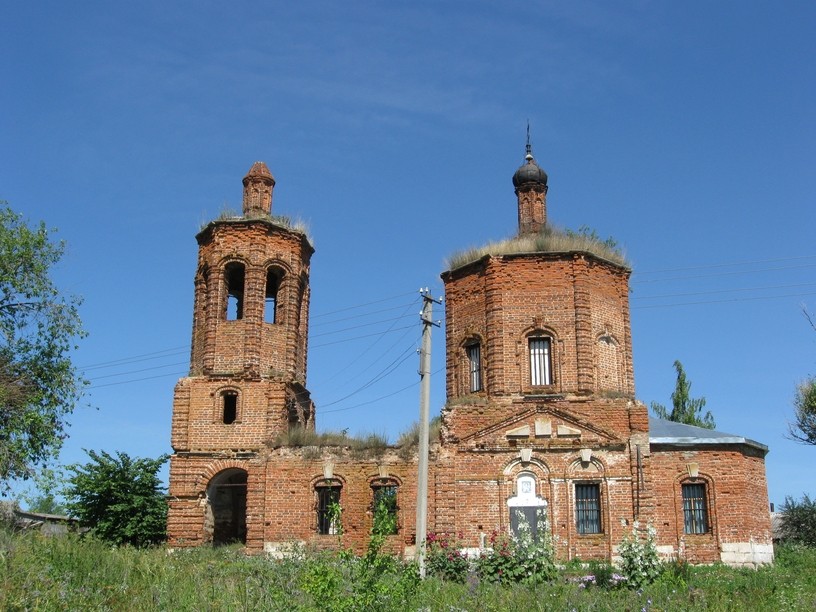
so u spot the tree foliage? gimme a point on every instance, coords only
(799, 521)
(803, 428)
(119, 498)
(685, 409)
(39, 326)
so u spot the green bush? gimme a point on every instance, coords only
(444, 558)
(119, 498)
(799, 521)
(639, 560)
(524, 558)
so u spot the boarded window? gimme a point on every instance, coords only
(588, 508)
(540, 361)
(695, 512)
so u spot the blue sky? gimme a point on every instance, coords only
(684, 130)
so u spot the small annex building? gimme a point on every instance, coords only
(540, 413)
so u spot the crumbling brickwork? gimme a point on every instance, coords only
(540, 415)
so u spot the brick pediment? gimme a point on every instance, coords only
(542, 426)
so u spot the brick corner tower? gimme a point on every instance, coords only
(247, 381)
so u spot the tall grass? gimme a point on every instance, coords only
(73, 573)
(364, 445)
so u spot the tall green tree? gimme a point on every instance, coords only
(685, 409)
(119, 498)
(39, 327)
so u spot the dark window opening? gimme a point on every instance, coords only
(385, 509)
(328, 509)
(474, 355)
(271, 297)
(540, 361)
(588, 508)
(234, 278)
(695, 512)
(229, 400)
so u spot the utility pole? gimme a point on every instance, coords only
(426, 316)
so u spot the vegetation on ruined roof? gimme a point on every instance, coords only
(408, 441)
(293, 224)
(550, 240)
(359, 445)
(364, 445)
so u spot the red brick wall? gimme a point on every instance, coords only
(249, 345)
(574, 298)
(580, 301)
(737, 496)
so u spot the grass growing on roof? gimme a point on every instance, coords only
(549, 240)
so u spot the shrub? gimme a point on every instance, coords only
(444, 558)
(524, 558)
(119, 498)
(639, 561)
(799, 521)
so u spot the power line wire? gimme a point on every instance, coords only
(724, 265)
(715, 291)
(744, 299)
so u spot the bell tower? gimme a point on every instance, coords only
(247, 381)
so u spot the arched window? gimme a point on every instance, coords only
(588, 507)
(540, 351)
(473, 350)
(234, 280)
(229, 406)
(695, 507)
(271, 296)
(328, 506)
(384, 506)
(528, 511)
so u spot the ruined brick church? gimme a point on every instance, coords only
(540, 413)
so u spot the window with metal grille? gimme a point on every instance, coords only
(695, 512)
(474, 355)
(588, 508)
(540, 361)
(328, 509)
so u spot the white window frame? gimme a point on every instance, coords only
(474, 362)
(540, 352)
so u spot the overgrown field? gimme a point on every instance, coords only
(70, 573)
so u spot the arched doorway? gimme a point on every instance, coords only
(226, 495)
(527, 510)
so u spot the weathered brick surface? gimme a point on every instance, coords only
(737, 499)
(584, 427)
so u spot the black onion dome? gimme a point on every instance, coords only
(529, 173)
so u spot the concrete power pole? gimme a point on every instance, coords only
(426, 317)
